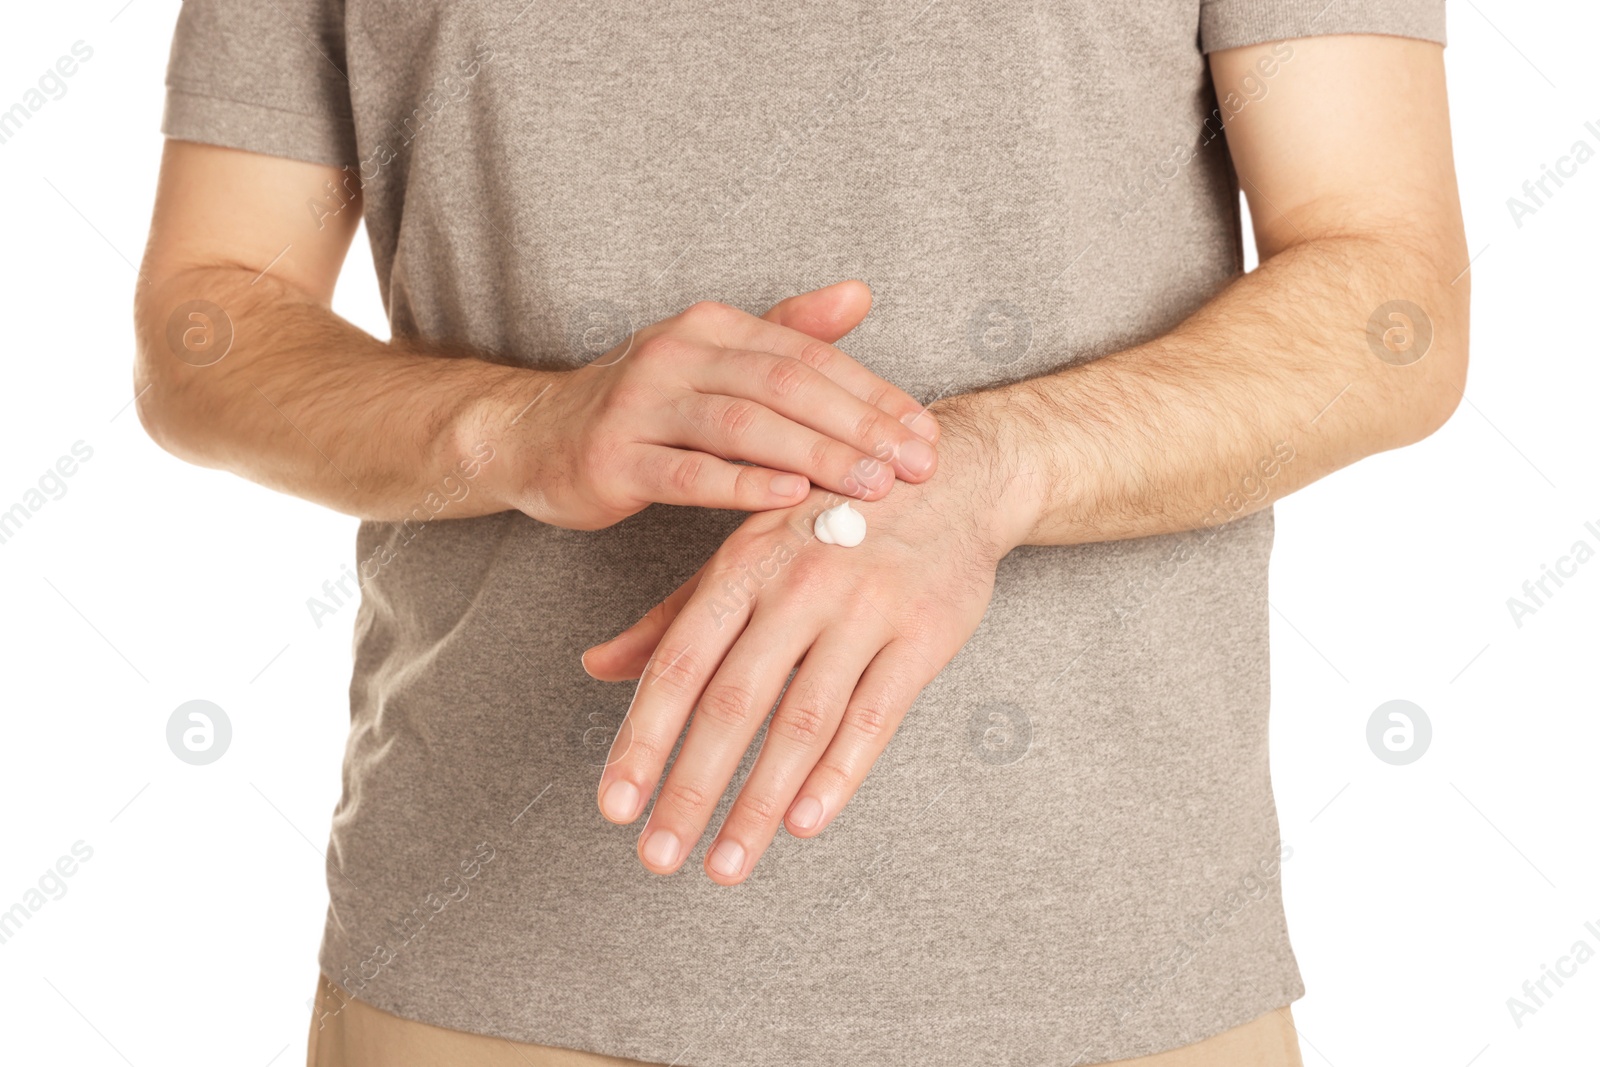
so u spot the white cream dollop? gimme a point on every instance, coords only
(842, 525)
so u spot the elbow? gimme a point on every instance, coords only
(151, 402)
(1447, 396)
(1434, 394)
(159, 383)
(1428, 380)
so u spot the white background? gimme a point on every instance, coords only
(1420, 897)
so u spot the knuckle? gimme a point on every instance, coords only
(724, 570)
(870, 428)
(830, 779)
(751, 484)
(631, 389)
(706, 312)
(657, 347)
(676, 669)
(809, 569)
(684, 473)
(734, 419)
(801, 722)
(761, 809)
(819, 453)
(786, 377)
(867, 475)
(684, 800)
(817, 355)
(730, 568)
(869, 719)
(642, 750)
(728, 704)
(922, 625)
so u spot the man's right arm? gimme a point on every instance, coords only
(304, 402)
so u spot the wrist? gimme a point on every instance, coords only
(505, 416)
(995, 468)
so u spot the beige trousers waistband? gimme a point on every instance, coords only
(349, 1033)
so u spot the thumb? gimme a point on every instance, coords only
(625, 656)
(827, 313)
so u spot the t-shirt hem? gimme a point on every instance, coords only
(645, 1050)
(254, 127)
(1242, 23)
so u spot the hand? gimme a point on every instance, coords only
(662, 417)
(869, 626)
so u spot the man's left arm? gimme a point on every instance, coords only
(1279, 380)
(1350, 338)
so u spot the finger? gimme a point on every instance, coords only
(686, 657)
(879, 703)
(625, 656)
(827, 313)
(811, 398)
(741, 331)
(737, 428)
(801, 728)
(689, 477)
(729, 713)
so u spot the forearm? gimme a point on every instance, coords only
(308, 404)
(1268, 387)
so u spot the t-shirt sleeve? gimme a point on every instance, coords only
(1237, 23)
(266, 77)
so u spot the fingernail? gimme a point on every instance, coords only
(787, 485)
(806, 814)
(727, 858)
(916, 456)
(621, 801)
(661, 849)
(921, 424)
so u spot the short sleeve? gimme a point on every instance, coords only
(1237, 23)
(265, 77)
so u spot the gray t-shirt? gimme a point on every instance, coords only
(1069, 852)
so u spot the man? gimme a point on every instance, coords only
(1021, 769)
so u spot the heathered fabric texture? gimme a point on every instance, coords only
(1069, 852)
